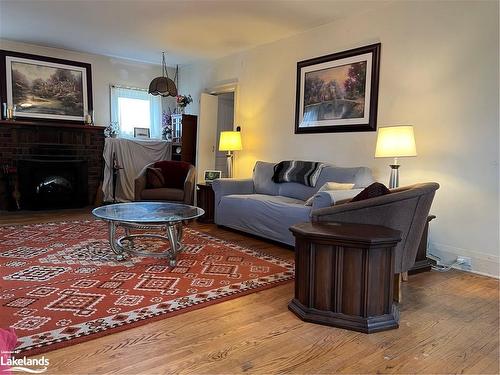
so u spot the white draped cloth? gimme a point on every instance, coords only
(132, 155)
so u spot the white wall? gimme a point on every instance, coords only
(105, 71)
(439, 72)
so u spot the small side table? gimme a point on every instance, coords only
(344, 275)
(206, 200)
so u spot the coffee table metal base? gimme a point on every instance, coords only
(173, 235)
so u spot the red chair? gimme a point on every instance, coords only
(167, 180)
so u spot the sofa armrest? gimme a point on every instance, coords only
(189, 186)
(140, 183)
(229, 186)
(330, 198)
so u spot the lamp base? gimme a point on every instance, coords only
(394, 179)
(229, 161)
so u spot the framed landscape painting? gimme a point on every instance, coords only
(45, 88)
(338, 92)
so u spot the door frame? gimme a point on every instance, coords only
(225, 88)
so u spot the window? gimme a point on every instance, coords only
(135, 108)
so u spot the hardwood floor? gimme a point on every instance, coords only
(449, 324)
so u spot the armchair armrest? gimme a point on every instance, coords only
(352, 208)
(189, 185)
(394, 200)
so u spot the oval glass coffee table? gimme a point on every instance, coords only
(163, 216)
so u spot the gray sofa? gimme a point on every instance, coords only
(262, 207)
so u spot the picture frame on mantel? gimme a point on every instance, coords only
(142, 133)
(42, 88)
(338, 92)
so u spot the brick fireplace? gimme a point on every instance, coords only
(52, 183)
(49, 165)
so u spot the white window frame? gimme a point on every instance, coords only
(155, 106)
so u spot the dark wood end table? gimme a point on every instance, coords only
(344, 275)
(205, 198)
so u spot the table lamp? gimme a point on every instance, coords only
(230, 141)
(394, 142)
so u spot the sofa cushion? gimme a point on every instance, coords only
(263, 215)
(263, 178)
(154, 178)
(174, 172)
(374, 190)
(330, 186)
(360, 176)
(163, 194)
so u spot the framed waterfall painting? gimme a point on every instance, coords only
(338, 92)
(45, 88)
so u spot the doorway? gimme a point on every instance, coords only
(225, 122)
(218, 112)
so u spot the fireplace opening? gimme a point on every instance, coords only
(52, 184)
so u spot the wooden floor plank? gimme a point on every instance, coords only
(449, 324)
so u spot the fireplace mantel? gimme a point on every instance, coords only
(63, 125)
(22, 140)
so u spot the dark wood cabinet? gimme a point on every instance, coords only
(184, 133)
(205, 198)
(344, 275)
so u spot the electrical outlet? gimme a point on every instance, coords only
(464, 261)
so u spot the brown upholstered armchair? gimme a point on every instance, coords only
(405, 209)
(179, 183)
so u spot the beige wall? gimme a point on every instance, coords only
(439, 72)
(105, 71)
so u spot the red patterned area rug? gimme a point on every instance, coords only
(60, 283)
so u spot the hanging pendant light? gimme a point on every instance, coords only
(163, 85)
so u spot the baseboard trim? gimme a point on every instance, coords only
(482, 264)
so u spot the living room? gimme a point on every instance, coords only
(237, 273)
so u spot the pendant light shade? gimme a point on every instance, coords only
(163, 85)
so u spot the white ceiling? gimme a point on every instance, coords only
(187, 30)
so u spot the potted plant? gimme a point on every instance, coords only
(166, 125)
(183, 101)
(112, 130)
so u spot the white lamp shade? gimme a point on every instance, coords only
(395, 141)
(230, 141)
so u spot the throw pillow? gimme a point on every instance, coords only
(154, 178)
(374, 190)
(302, 172)
(330, 186)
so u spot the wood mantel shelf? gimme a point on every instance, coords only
(22, 123)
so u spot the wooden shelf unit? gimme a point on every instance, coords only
(184, 133)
